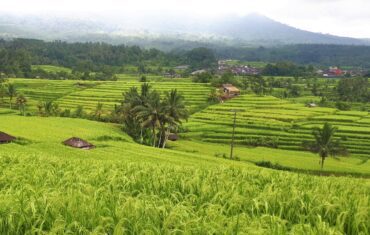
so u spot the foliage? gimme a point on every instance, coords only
(325, 144)
(21, 102)
(286, 69)
(201, 58)
(354, 89)
(203, 77)
(145, 112)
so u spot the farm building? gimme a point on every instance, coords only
(78, 143)
(229, 90)
(173, 137)
(5, 138)
(198, 72)
(311, 105)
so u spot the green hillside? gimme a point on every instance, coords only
(273, 122)
(122, 187)
(191, 187)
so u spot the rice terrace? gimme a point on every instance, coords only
(182, 133)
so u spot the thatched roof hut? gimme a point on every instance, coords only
(173, 137)
(5, 138)
(76, 142)
(230, 90)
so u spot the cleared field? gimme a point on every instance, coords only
(125, 188)
(272, 122)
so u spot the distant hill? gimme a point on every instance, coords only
(165, 31)
(260, 29)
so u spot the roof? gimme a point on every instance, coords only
(199, 72)
(4, 138)
(173, 137)
(230, 88)
(78, 143)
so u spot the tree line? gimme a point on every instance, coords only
(17, 56)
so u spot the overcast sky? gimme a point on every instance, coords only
(338, 17)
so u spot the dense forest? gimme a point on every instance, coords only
(105, 60)
(325, 55)
(17, 56)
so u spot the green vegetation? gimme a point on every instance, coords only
(51, 68)
(271, 185)
(277, 123)
(149, 119)
(122, 187)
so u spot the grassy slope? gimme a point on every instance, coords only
(279, 121)
(122, 187)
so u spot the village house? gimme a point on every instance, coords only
(199, 72)
(237, 69)
(230, 91)
(182, 67)
(333, 72)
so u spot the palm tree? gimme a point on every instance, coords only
(325, 144)
(150, 113)
(12, 92)
(174, 110)
(2, 92)
(99, 110)
(21, 102)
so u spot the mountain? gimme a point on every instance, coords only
(257, 28)
(165, 30)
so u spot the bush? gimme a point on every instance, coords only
(343, 106)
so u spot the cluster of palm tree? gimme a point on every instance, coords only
(148, 118)
(9, 90)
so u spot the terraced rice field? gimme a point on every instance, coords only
(70, 94)
(37, 90)
(121, 187)
(279, 123)
(110, 93)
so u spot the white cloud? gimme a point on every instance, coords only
(342, 17)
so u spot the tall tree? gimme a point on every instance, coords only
(98, 111)
(11, 92)
(174, 111)
(3, 92)
(149, 114)
(21, 102)
(325, 144)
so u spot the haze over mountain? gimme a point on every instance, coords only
(250, 30)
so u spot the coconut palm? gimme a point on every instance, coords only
(21, 102)
(11, 92)
(149, 114)
(98, 111)
(174, 111)
(325, 144)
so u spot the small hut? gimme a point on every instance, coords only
(173, 137)
(78, 143)
(230, 90)
(5, 138)
(311, 105)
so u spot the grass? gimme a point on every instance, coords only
(125, 188)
